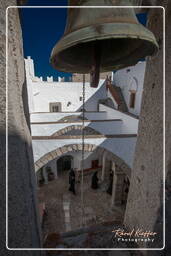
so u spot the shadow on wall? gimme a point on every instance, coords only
(100, 150)
(159, 224)
(101, 93)
(159, 221)
(168, 211)
(23, 216)
(25, 106)
(107, 102)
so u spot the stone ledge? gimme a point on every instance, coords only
(85, 136)
(79, 121)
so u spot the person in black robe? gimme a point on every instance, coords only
(94, 181)
(110, 187)
(72, 181)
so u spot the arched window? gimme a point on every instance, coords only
(132, 99)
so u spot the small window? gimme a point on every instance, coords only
(94, 163)
(132, 100)
(81, 98)
(55, 107)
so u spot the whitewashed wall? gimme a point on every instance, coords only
(53, 117)
(131, 78)
(41, 93)
(121, 147)
(67, 93)
(109, 127)
(29, 68)
(129, 123)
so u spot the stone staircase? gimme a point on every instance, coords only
(117, 95)
(122, 105)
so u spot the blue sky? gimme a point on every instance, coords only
(41, 29)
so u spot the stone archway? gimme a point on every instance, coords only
(75, 130)
(72, 118)
(78, 147)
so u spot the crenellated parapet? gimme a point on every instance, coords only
(30, 74)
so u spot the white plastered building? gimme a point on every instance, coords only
(111, 121)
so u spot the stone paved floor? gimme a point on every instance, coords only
(65, 211)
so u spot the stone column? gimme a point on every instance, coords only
(144, 204)
(118, 179)
(54, 168)
(45, 175)
(72, 163)
(114, 183)
(103, 166)
(81, 164)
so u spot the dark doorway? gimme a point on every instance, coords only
(64, 163)
(132, 99)
(94, 163)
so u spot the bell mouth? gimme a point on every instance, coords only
(121, 45)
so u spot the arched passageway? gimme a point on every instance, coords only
(64, 163)
(56, 193)
(105, 155)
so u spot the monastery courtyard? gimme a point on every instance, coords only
(64, 209)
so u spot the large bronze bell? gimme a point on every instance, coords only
(101, 39)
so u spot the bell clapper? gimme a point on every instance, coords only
(95, 68)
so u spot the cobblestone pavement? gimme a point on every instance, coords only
(65, 211)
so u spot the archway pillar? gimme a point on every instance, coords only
(37, 179)
(45, 175)
(72, 163)
(118, 179)
(103, 166)
(54, 168)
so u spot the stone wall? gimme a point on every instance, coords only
(145, 210)
(168, 129)
(23, 223)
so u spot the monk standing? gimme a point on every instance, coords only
(94, 181)
(72, 181)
